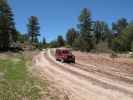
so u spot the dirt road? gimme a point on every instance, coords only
(84, 81)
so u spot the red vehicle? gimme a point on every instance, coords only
(64, 55)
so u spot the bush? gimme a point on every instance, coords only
(67, 46)
(131, 56)
(76, 44)
(113, 55)
(131, 53)
(102, 47)
(80, 44)
(132, 46)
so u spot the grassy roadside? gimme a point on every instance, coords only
(16, 83)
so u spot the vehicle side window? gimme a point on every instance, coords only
(65, 52)
(58, 52)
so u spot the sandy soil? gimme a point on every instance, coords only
(93, 77)
(121, 66)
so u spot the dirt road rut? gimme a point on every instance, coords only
(82, 84)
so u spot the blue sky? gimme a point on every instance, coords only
(57, 16)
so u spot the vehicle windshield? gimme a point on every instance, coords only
(66, 52)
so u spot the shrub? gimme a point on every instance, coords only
(132, 46)
(113, 55)
(67, 46)
(76, 44)
(102, 47)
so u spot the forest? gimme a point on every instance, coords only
(90, 35)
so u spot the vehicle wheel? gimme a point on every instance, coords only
(73, 62)
(62, 61)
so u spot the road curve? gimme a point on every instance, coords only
(81, 84)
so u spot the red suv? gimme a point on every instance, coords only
(64, 55)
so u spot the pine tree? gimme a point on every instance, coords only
(44, 41)
(33, 29)
(85, 30)
(8, 33)
(71, 35)
(119, 26)
(60, 41)
(98, 31)
(101, 31)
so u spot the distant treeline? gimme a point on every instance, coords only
(89, 35)
(97, 36)
(10, 37)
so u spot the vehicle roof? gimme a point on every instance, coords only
(62, 49)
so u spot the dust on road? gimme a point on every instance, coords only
(79, 84)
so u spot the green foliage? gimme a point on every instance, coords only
(85, 38)
(16, 83)
(119, 26)
(22, 38)
(44, 41)
(60, 41)
(67, 46)
(33, 29)
(98, 31)
(71, 36)
(113, 55)
(132, 46)
(101, 31)
(42, 44)
(53, 44)
(124, 40)
(8, 33)
(102, 47)
(118, 45)
(128, 33)
(76, 44)
(90, 34)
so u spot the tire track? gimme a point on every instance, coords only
(92, 80)
(102, 73)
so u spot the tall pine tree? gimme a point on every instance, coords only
(60, 41)
(8, 33)
(85, 30)
(71, 35)
(33, 29)
(98, 31)
(101, 31)
(119, 26)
